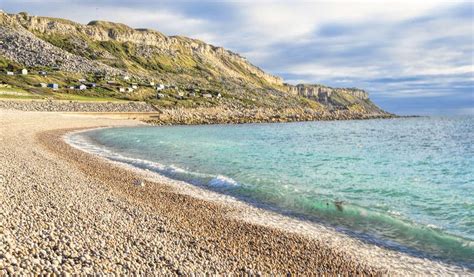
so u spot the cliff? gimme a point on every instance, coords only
(195, 74)
(143, 49)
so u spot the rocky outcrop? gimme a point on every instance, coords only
(187, 116)
(222, 115)
(323, 93)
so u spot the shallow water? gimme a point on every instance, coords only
(406, 182)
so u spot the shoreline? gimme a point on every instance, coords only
(196, 225)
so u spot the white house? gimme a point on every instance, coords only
(134, 86)
(24, 71)
(152, 83)
(160, 96)
(53, 86)
(82, 80)
(207, 95)
(121, 89)
(82, 87)
(10, 73)
(129, 89)
(126, 78)
(71, 87)
(43, 85)
(160, 87)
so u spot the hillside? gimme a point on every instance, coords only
(141, 64)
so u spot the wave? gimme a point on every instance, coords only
(358, 220)
(81, 142)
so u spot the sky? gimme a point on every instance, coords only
(413, 57)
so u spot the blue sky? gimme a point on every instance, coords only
(413, 57)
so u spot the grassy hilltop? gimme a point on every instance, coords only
(117, 58)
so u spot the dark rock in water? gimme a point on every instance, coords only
(338, 205)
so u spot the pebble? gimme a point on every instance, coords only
(59, 228)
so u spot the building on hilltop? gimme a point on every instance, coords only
(24, 71)
(53, 86)
(160, 87)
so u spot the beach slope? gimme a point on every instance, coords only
(64, 210)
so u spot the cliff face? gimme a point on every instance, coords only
(191, 67)
(105, 40)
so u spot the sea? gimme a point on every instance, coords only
(405, 184)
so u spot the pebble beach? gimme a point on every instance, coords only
(65, 211)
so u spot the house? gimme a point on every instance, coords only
(129, 89)
(24, 71)
(219, 95)
(134, 86)
(152, 83)
(91, 85)
(71, 87)
(207, 95)
(121, 89)
(43, 85)
(111, 83)
(82, 80)
(10, 73)
(160, 87)
(160, 96)
(43, 73)
(180, 93)
(82, 87)
(126, 78)
(53, 86)
(192, 94)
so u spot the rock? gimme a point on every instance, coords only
(139, 183)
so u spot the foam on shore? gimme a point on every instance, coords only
(81, 142)
(159, 173)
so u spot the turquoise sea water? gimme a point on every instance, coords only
(404, 183)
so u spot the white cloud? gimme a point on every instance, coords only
(323, 71)
(268, 22)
